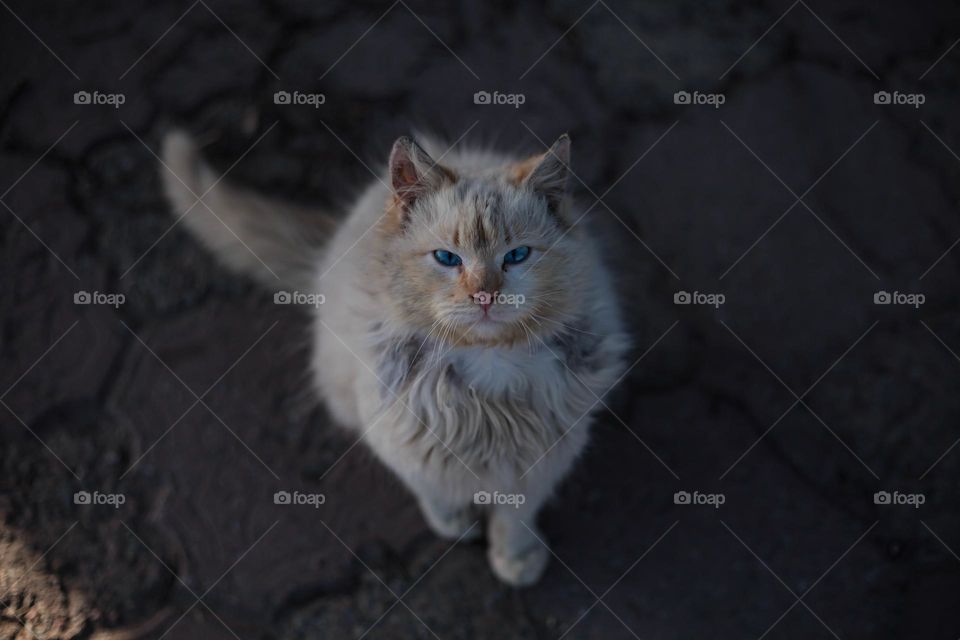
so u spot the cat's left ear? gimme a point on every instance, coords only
(549, 175)
(414, 173)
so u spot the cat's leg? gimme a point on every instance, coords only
(518, 552)
(445, 496)
(448, 520)
(443, 490)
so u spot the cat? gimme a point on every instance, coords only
(468, 328)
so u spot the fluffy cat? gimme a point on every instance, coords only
(468, 327)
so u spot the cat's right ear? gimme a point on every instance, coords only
(414, 173)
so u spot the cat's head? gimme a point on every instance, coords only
(481, 255)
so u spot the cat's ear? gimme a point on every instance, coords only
(548, 174)
(413, 172)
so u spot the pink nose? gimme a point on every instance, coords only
(484, 299)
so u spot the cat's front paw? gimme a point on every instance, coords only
(519, 569)
(454, 524)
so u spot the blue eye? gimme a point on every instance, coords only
(446, 258)
(516, 256)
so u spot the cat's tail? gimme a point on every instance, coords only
(277, 243)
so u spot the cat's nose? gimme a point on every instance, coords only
(484, 299)
(481, 278)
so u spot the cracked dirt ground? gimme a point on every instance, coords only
(798, 198)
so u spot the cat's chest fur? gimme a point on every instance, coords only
(490, 406)
(497, 371)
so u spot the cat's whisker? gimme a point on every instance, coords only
(445, 329)
(425, 339)
(464, 334)
(554, 311)
(529, 333)
(549, 292)
(544, 300)
(572, 328)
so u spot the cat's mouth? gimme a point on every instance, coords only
(488, 327)
(483, 322)
(485, 318)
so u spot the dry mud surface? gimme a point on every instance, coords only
(798, 399)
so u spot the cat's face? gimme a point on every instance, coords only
(481, 259)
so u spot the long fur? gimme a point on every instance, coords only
(453, 399)
(275, 242)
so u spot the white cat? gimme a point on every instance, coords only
(468, 327)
